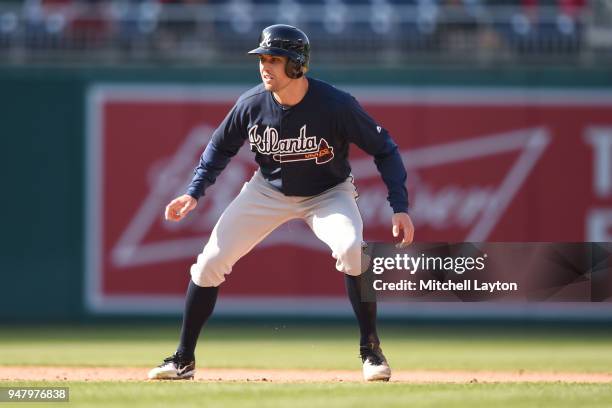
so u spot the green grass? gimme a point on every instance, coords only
(311, 346)
(244, 395)
(261, 345)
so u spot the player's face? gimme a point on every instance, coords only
(272, 70)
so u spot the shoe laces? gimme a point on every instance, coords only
(172, 358)
(176, 359)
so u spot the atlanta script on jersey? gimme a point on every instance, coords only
(304, 147)
(300, 148)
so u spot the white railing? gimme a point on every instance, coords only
(379, 32)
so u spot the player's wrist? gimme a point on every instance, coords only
(193, 195)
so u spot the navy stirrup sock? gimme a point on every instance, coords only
(365, 312)
(199, 305)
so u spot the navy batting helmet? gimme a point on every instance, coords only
(288, 41)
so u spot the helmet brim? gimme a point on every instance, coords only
(278, 52)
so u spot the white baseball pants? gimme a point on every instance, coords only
(259, 209)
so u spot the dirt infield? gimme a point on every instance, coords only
(26, 373)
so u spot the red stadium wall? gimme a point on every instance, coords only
(484, 165)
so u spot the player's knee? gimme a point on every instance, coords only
(210, 269)
(349, 258)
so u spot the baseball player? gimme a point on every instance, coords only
(299, 129)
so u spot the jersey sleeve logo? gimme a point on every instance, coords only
(378, 129)
(302, 148)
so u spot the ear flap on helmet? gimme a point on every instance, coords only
(293, 69)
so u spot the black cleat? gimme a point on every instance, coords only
(375, 366)
(174, 368)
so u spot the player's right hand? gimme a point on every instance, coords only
(180, 207)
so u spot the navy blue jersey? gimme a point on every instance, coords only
(303, 148)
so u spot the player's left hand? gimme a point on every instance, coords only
(402, 221)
